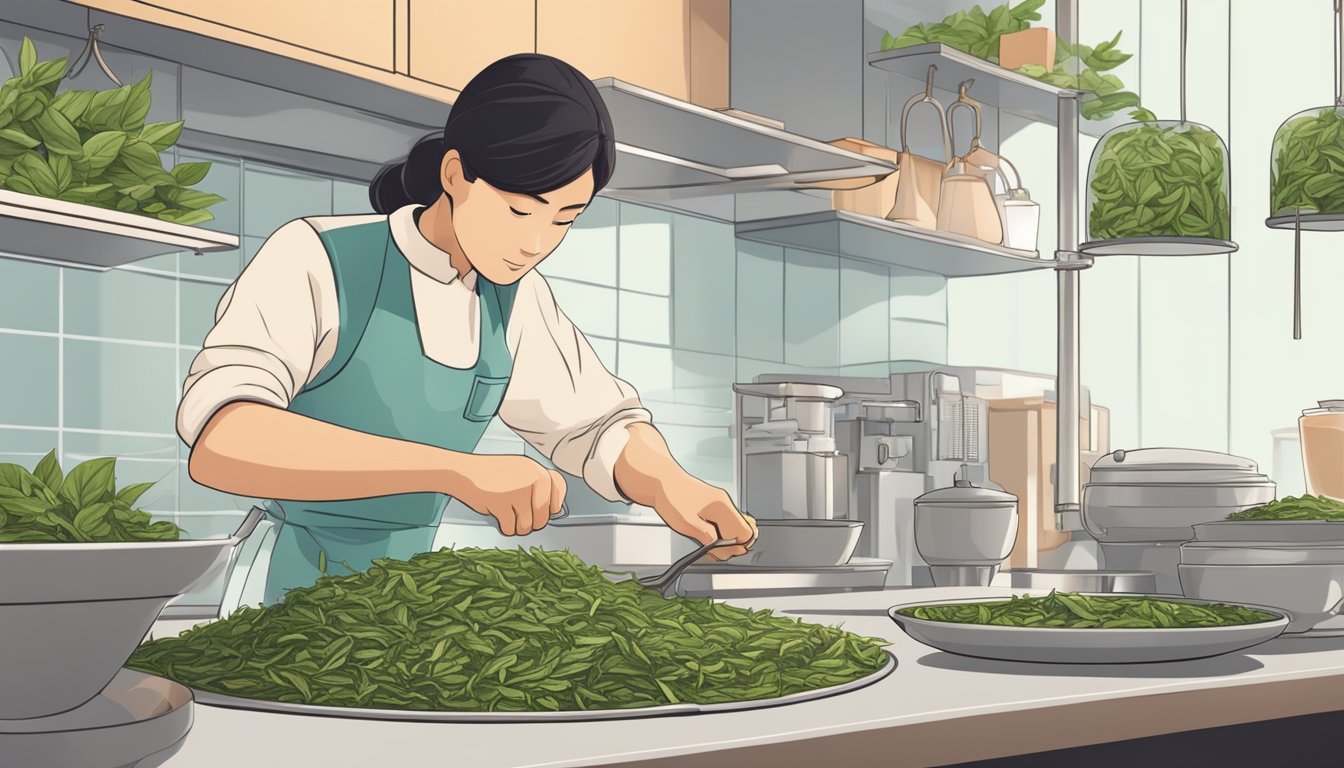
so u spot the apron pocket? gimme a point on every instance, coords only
(487, 392)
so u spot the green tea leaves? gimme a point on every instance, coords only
(1159, 180)
(91, 147)
(1068, 610)
(1305, 507)
(1308, 160)
(504, 630)
(45, 506)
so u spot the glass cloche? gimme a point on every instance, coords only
(1307, 171)
(1159, 188)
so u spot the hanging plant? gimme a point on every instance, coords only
(1308, 172)
(1159, 179)
(977, 33)
(93, 147)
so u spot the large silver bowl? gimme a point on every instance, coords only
(1294, 531)
(72, 614)
(1310, 593)
(802, 543)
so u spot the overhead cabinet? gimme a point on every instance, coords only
(361, 32)
(449, 41)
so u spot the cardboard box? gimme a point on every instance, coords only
(1030, 46)
(676, 47)
(879, 195)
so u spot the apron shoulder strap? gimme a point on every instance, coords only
(357, 255)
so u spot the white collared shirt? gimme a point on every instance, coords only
(277, 324)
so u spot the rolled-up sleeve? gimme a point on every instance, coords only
(275, 328)
(561, 399)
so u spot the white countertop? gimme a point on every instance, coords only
(919, 715)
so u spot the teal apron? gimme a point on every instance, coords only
(380, 381)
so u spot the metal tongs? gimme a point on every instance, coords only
(664, 582)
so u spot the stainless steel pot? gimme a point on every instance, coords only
(965, 533)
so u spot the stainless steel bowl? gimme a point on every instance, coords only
(801, 543)
(72, 614)
(1308, 592)
(1295, 531)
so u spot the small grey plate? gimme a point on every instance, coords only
(233, 702)
(1157, 246)
(1311, 222)
(1087, 646)
(138, 721)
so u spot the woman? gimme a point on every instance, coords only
(357, 360)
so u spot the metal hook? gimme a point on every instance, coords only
(91, 51)
(928, 81)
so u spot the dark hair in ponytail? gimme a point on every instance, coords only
(528, 123)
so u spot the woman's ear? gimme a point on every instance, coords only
(451, 176)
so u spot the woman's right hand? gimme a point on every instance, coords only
(515, 490)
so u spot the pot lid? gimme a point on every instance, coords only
(1326, 406)
(1184, 466)
(963, 494)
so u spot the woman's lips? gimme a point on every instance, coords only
(513, 265)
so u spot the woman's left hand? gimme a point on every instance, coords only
(703, 512)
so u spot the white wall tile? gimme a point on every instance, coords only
(919, 341)
(648, 369)
(646, 249)
(645, 318)
(704, 284)
(864, 312)
(918, 295)
(811, 308)
(760, 301)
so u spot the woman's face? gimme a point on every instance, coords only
(505, 234)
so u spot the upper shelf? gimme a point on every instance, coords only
(672, 148)
(889, 242)
(994, 86)
(45, 228)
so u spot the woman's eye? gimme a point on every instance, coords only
(517, 212)
(563, 223)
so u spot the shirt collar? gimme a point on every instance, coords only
(423, 255)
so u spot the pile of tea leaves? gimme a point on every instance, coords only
(1071, 610)
(504, 630)
(1305, 507)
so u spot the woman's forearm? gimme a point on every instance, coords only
(256, 450)
(646, 466)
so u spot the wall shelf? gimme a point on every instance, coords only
(994, 86)
(59, 231)
(888, 242)
(671, 148)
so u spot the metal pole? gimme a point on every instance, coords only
(1339, 53)
(1068, 492)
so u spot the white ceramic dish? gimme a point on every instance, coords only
(1084, 646)
(801, 544)
(1299, 531)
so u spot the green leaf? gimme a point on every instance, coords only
(72, 104)
(58, 133)
(27, 56)
(192, 199)
(161, 136)
(140, 158)
(47, 75)
(190, 174)
(33, 168)
(189, 218)
(61, 169)
(132, 493)
(136, 107)
(19, 138)
(21, 184)
(91, 482)
(101, 149)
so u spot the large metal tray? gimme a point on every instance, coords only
(233, 702)
(138, 721)
(1087, 646)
